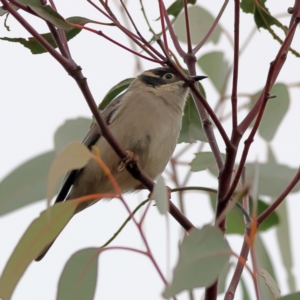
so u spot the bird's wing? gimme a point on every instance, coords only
(89, 140)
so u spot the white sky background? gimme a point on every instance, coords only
(37, 96)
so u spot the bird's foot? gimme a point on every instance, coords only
(130, 157)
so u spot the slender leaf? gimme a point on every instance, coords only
(262, 16)
(284, 240)
(202, 255)
(275, 111)
(191, 129)
(203, 161)
(222, 278)
(176, 7)
(160, 195)
(269, 282)
(39, 234)
(74, 156)
(200, 22)
(36, 48)
(295, 296)
(26, 184)
(114, 92)
(216, 67)
(49, 14)
(71, 130)
(79, 277)
(273, 178)
(244, 290)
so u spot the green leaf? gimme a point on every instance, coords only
(295, 296)
(262, 256)
(39, 234)
(36, 48)
(160, 195)
(191, 129)
(216, 67)
(200, 22)
(235, 219)
(284, 240)
(269, 282)
(202, 255)
(26, 184)
(222, 278)
(272, 220)
(263, 261)
(273, 178)
(262, 16)
(203, 161)
(114, 92)
(71, 130)
(176, 7)
(244, 290)
(79, 277)
(74, 156)
(275, 111)
(49, 14)
(248, 6)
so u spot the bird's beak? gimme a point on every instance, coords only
(197, 78)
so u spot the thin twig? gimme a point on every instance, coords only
(212, 28)
(235, 63)
(187, 27)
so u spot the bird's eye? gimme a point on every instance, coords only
(168, 76)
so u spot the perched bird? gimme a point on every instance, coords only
(146, 120)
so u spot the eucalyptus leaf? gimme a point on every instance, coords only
(244, 290)
(262, 16)
(235, 219)
(36, 48)
(294, 296)
(203, 161)
(47, 13)
(283, 235)
(71, 130)
(38, 235)
(25, 184)
(202, 255)
(114, 92)
(191, 129)
(200, 22)
(273, 178)
(176, 7)
(275, 111)
(74, 156)
(216, 67)
(160, 195)
(79, 277)
(269, 282)
(263, 261)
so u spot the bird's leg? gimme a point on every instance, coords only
(130, 157)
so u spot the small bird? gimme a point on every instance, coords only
(146, 121)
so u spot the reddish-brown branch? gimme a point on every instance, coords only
(162, 21)
(273, 73)
(171, 31)
(187, 27)
(235, 63)
(277, 65)
(230, 293)
(212, 28)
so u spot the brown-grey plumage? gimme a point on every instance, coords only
(146, 120)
